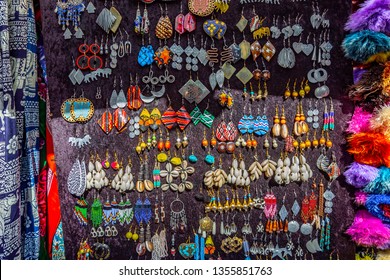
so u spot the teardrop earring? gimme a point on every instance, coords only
(114, 96)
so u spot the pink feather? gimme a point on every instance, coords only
(360, 121)
(360, 198)
(367, 230)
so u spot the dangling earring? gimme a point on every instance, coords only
(287, 92)
(331, 115)
(145, 22)
(276, 129)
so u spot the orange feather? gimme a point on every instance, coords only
(370, 148)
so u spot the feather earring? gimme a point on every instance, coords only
(359, 175)
(369, 231)
(370, 148)
(373, 15)
(360, 46)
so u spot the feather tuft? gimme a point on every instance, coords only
(373, 15)
(360, 198)
(380, 121)
(360, 121)
(381, 184)
(368, 90)
(369, 231)
(359, 175)
(379, 206)
(361, 45)
(370, 148)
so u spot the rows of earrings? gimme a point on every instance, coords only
(236, 201)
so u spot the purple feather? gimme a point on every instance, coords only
(359, 175)
(367, 230)
(373, 15)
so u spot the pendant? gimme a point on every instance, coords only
(179, 24)
(213, 80)
(236, 51)
(245, 48)
(293, 226)
(306, 229)
(220, 78)
(90, 8)
(106, 20)
(268, 51)
(228, 70)
(118, 19)
(201, 8)
(244, 75)
(255, 50)
(242, 23)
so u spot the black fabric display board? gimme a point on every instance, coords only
(59, 54)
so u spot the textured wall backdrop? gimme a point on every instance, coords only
(59, 54)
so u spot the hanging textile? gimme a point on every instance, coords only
(52, 241)
(19, 132)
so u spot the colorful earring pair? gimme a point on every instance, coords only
(152, 119)
(170, 117)
(114, 165)
(206, 117)
(225, 99)
(119, 119)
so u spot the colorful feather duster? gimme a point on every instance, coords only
(377, 205)
(380, 121)
(359, 175)
(367, 230)
(361, 45)
(370, 148)
(360, 121)
(360, 198)
(381, 184)
(373, 15)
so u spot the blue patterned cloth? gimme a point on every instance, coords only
(19, 131)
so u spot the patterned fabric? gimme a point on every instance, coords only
(58, 248)
(19, 132)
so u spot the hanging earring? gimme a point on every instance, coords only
(106, 121)
(207, 118)
(276, 129)
(326, 117)
(114, 96)
(106, 19)
(179, 21)
(331, 116)
(286, 57)
(164, 29)
(183, 117)
(243, 22)
(287, 92)
(177, 51)
(146, 54)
